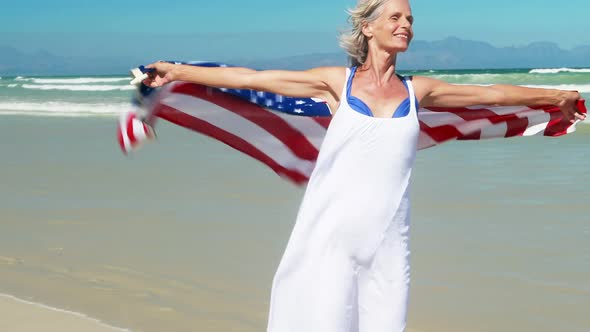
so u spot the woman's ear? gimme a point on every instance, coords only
(367, 29)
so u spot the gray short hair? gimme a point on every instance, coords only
(354, 42)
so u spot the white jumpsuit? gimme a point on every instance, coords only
(346, 266)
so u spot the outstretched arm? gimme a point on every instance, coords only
(436, 93)
(310, 83)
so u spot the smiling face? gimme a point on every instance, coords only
(392, 30)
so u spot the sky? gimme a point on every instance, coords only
(227, 28)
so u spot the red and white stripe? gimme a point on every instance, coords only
(290, 144)
(439, 125)
(132, 131)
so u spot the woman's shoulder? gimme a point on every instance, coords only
(334, 76)
(424, 81)
(423, 85)
(330, 72)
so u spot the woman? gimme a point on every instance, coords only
(346, 265)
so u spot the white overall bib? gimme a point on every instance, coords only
(346, 266)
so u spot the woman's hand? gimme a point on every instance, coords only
(568, 107)
(164, 73)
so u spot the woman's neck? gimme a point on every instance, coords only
(380, 66)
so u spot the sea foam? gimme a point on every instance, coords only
(79, 80)
(62, 108)
(478, 78)
(559, 70)
(73, 87)
(582, 88)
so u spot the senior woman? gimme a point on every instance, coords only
(346, 266)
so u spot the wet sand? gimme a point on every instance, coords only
(186, 234)
(24, 316)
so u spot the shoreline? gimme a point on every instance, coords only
(22, 315)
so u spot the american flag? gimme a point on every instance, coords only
(286, 133)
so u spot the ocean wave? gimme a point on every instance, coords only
(20, 78)
(12, 85)
(80, 80)
(62, 108)
(70, 87)
(558, 70)
(473, 77)
(582, 88)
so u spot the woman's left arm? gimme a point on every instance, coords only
(435, 93)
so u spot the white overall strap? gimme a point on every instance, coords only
(412, 95)
(344, 94)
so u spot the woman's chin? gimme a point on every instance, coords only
(399, 48)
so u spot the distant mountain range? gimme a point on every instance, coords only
(450, 53)
(14, 62)
(455, 53)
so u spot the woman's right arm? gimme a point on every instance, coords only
(318, 82)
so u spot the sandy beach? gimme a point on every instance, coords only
(186, 235)
(23, 316)
(170, 240)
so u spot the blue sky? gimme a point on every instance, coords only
(226, 28)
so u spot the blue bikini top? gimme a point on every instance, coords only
(358, 105)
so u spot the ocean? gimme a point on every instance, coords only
(109, 95)
(185, 234)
